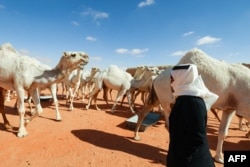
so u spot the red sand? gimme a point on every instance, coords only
(95, 138)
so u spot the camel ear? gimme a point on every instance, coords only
(64, 54)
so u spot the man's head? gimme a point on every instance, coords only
(183, 74)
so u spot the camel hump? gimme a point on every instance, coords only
(7, 46)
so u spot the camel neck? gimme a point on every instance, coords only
(48, 77)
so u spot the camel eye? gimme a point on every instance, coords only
(73, 55)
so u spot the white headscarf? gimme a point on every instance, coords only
(188, 82)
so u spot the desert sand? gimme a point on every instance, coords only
(94, 138)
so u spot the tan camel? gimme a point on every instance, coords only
(2, 99)
(229, 81)
(22, 73)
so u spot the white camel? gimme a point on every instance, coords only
(83, 84)
(116, 79)
(22, 73)
(229, 81)
(72, 83)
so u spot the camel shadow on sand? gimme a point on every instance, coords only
(120, 143)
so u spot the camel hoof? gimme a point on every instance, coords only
(71, 108)
(33, 112)
(39, 112)
(22, 134)
(137, 138)
(219, 159)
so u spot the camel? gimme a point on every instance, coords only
(132, 70)
(142, 81)
(53, 90)
(229, 81)
(72, 83)
(112, 78)
(22, 73)
(92, 81)
(83, 84)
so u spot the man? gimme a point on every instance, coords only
(188, 145)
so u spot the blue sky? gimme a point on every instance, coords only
(127, 33)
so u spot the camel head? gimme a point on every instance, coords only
(140, 70)
(153, 71)
(94, 70)
(73, 60)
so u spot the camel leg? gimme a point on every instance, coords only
(143, 94)
(71, 107)
(21, 110)
(247, 124)
(134, 96)
(215, 114)
(89, 101)
(2, 99)
(8, 95)
(141, 117)
(120, 93)
(29, 98)
(53, 93)
(110, 94)
(95, 98)
(226, 119)
(130, 102)
(105, 93)
(71, 98)
(123, 98)
(91, 95)
(83, 92)
(38, 107)
(240, 123)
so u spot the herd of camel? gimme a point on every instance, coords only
(25, 74)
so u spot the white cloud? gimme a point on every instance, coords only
(75, 23)
(179, 53)
(95, 14)
(138, 51)
(207, 40)
(100, 15)
(134, 51)
(187, 33)
(122, 51)
(89, 38)
(146, 3)
(96, 58)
